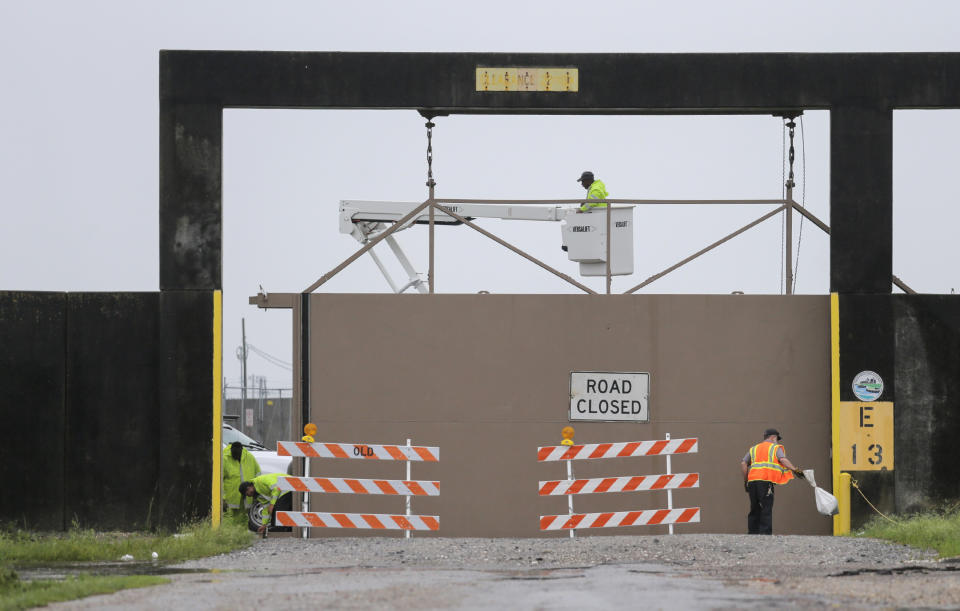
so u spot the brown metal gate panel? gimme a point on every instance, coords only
(486, 378)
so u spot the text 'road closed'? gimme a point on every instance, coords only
(609, 396)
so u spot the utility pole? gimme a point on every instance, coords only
(243, 373)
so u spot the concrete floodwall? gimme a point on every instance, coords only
(913, 343)
(927, 408)
(486, 378)
(33, 376)
(107, 401)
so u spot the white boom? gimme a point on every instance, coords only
(584, 235)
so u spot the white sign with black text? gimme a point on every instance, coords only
(609, 396)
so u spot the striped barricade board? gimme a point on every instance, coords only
(623, 449)
(370, 521)
(345, 485)
(648, 517)
(620, 484)
(321, 449)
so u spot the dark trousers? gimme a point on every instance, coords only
(284, 503)
(760, 518)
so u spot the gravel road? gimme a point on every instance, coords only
(662, 572)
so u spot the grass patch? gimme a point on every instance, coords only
(939, 531)
(25, 548)
(16, 594)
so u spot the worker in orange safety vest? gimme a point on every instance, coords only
(764, 466)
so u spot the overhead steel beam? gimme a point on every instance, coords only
(860, 90)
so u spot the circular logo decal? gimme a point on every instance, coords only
(867, 386)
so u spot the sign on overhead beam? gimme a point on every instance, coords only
(609, 396)
(504, 78)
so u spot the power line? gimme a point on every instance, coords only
(277, 362)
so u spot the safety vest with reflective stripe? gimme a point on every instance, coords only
(765, 466)
(235, 472)
(266, 487)
(597, 190)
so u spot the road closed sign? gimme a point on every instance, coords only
(609, 396)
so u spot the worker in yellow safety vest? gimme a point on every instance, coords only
(238, 465)
(271, 497)
(596, 190)
(764, 466)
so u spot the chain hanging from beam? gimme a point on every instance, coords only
(430, 182)
(791, 125)
(788, 211)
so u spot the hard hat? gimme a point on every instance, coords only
(588, 175)
(769, 432)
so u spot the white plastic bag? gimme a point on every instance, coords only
(826, 502)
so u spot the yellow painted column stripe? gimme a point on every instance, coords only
(835, 400)
(215, 492)
(843, 500)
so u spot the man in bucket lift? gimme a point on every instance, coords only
(764, 465)
(595, 190)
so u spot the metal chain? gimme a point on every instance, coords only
(430, 182)
(789, 185)
(790, 182)
(803, 199)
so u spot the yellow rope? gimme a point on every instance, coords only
(854, 483)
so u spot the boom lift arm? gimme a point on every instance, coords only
(364, 220)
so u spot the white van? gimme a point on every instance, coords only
(268, 459)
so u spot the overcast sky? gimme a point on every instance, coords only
(79, 134)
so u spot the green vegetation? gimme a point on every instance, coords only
(16, 594)
(939, 531)
(26, 549)
(23, 548)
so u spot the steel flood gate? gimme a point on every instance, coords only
(489, 375)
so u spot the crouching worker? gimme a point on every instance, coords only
(272, 499)
(239, 465)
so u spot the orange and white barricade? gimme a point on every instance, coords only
(376, 521)
(668, 481)
(622, 449)
(366, 451)
(345, 485)
(341, 485)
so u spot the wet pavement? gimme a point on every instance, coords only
(626, 586)
(111, 569)
(658, 572)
